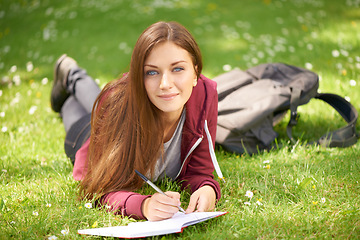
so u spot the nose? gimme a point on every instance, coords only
(165, 81)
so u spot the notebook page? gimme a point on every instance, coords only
(148, 228)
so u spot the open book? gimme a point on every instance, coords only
(148, 228)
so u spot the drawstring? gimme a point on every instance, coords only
(212, 153)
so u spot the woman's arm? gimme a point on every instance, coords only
(198, 170)
(154, 208)
(125, 203)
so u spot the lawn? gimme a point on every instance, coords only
(297, 191)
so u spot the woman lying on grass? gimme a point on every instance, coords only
(152, 120)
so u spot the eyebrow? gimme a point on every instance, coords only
(174, 63)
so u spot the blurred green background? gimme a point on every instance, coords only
(319, 35)
(100, 34)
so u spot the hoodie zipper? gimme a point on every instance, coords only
(191, 150)
(212, 153)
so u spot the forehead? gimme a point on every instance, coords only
(167, 52)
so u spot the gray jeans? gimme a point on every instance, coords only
(76, 111)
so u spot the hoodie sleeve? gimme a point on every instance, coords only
(125, 203)
(120, 202)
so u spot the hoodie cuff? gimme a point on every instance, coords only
(132, 206)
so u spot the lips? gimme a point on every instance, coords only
(168, 96)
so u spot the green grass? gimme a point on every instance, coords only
(306, 192)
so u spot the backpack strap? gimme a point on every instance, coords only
(294, 116)
(343, 137)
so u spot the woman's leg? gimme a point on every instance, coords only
(71, 112)
(81, 91)
(73, 95)
(76, 111)
(70, 79)
(83, 87)
(77, 135)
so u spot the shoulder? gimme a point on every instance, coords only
(208, 83)
(205, 88)
(203, 100)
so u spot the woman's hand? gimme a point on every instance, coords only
(159, 207)
(202, 200)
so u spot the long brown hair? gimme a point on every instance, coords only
(126, 128)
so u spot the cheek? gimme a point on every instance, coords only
(187, 86)
(149, 86)
(150, 92)
(189, 83)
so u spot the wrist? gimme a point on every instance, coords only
(144, 207)
(210, 185)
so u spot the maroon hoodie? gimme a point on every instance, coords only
(197, 167)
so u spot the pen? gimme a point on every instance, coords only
(155, 187)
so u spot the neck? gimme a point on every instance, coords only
(170, 123)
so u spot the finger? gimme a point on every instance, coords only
(201, 206)
(175, 196)
(160, 215)
(171, 198)
(192, 204)
(156, 210)
(166, 204)
(171, 194)
(167, 209)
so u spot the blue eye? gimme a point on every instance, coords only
(178, 69)
(151, 73)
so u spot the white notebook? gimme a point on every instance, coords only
(148, 228)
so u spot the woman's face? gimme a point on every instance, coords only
(169, 78)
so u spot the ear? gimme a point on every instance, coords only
(195, 77)
(195, 82)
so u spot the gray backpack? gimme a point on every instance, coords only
(251, 102)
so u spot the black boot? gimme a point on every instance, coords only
(59, 93)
